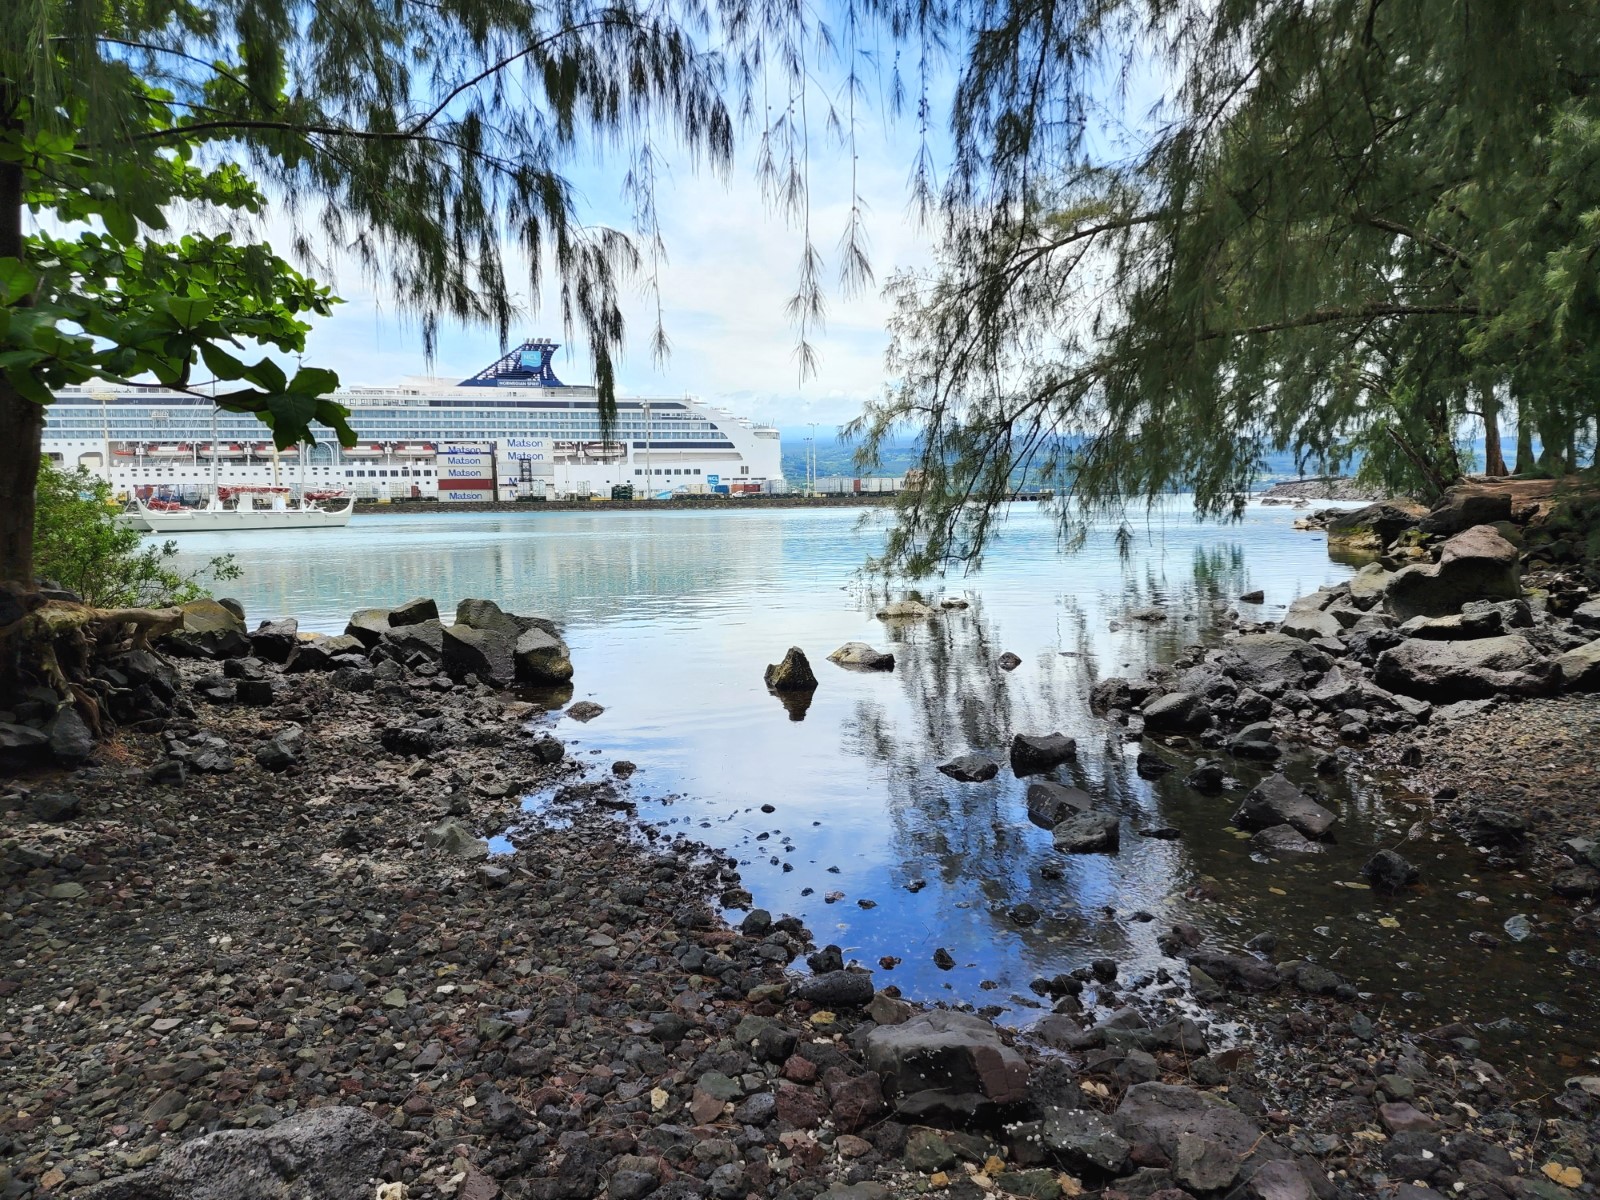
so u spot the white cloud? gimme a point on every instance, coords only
(732, 265)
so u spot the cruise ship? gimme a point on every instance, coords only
(539, 438)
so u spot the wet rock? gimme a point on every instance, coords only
(1388, 871)
(1276, 801)
(1257, 741)
(836, 989)
(1094, 832)
(793, 674)
(1283, 839)
(584, 710)
(1208, 778)
(1475, 564)
(331, 1153)
(863, 656)
(1033, 753)
(541, 658)
(1176, 712)
(1498, 828)
(946, 1061)
(1576, 883)
(970, 768)
(1008, 661)
(413, 612)
(1117, 693)
(274, 641)
(1234, 970)
(1256, 597)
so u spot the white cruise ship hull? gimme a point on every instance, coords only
(530, 437)
(200, 520)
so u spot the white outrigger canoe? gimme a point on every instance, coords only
(244, 513)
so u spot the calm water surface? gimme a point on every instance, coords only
(673, 616)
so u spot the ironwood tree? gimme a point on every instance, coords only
(1349, 227)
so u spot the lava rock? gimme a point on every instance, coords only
(1031, 754)
(793, 674)
(1276, 801)
(970, 768)
(1388, 871)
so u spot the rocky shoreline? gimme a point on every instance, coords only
(256, 945)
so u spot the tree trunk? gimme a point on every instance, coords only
(1494, 459)
(1524, 443)
(21, 420)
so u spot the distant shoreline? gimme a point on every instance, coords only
(721, 503)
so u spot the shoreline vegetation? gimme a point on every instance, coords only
(259, 928)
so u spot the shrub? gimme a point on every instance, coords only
(80, 545)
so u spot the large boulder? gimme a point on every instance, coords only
(1097, 831)
(489, 654)
(1368, 585)
(1176, 712)
(1477, 564)
(1208, 1141)
(274, 641)
(331, 1153)
(1372, 528)
(319, 653)
(1257, 658)
(1462, 508)
(1467, 670)
(491, 618)
(413, 612)
(1580, 668)
(423, 639)
(859, 654)
(209, 630)
(369, 625)
(1309, 624)
(1031, 754)
(542, 658)
(1276, 801)
(1049, 804)
(949, 1062)
(793, 674)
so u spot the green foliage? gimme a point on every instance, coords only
(1349, 227)
(79, 544)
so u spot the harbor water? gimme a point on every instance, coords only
(835, 809)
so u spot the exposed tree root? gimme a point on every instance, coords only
(57, 641)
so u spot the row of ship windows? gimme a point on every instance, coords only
(395, 473)
(680, 471)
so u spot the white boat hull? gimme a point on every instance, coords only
(199, 520)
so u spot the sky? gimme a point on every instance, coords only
(732, 264)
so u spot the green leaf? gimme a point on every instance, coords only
(17, 280)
